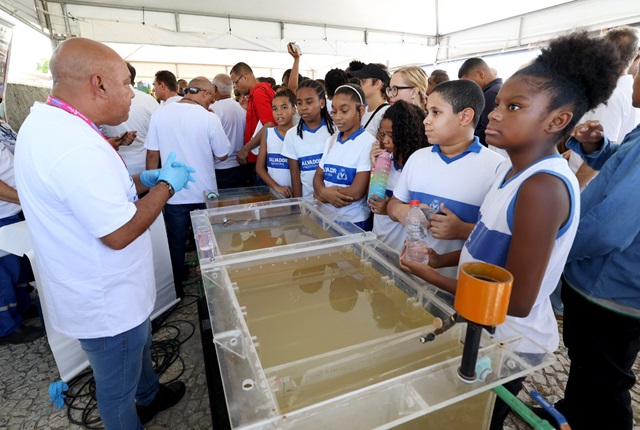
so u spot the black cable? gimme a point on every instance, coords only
(82, 406)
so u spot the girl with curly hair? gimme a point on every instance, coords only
(401, 134)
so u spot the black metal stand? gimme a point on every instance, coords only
(217, 402)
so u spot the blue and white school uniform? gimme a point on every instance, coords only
(277, 164)
(460, 183)
(388, 231)
(341, 161)
(491, 238)
(307, 151)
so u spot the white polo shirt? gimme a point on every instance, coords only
(341, 161)
(277, 164)
(460, 183)
(307, 150)
(388, 231)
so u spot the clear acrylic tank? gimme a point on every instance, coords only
(320, 329)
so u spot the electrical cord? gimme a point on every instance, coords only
(82, 406)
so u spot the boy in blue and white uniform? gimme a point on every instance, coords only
(453, 176)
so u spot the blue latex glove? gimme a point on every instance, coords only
(149, 177)
(176, 173)
(55, 392)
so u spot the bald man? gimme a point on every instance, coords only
(196, 135)
(90, 230)
(229, 173)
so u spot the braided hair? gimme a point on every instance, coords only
(324, 113)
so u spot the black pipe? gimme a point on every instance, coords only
(467, 370)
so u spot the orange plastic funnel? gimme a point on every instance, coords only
(483, 293)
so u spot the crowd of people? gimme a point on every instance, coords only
(489, 161)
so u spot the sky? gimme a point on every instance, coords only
(27, 48)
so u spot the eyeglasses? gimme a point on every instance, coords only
(393, 91)
(193, 90)
(235, 83)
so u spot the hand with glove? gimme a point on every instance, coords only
(149, 177)
(174, 173)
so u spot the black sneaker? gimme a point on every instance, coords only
(31, 312)
(167, 396)
(24, 334)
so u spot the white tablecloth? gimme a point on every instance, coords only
(69, 356)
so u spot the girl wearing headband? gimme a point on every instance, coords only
(342, 177)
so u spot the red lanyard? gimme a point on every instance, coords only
(56, 102)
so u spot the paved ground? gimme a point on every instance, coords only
(27, 370)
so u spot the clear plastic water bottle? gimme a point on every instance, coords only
(416, 239)
(204, 237)
(380, 176)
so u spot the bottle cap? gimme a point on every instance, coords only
(414, 203)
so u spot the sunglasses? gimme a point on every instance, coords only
(193, 90)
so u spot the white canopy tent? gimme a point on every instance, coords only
(206, 37)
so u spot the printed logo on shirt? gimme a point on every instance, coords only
(277, 161)
(310, 162)
(339, 175)
(465, 211)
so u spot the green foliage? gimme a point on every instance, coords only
(43, 65)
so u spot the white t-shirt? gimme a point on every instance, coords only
(618, 117)
(388, 231)
(491, 239)
(6, 175)
(308, 151)
(460, 183)
(135, 155)
(277, 164)
(341, 161)
(171, 100)
(233, 119)
(374, 124)
(75, 189)
(195, 135)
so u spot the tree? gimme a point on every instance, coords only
(43, 65)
